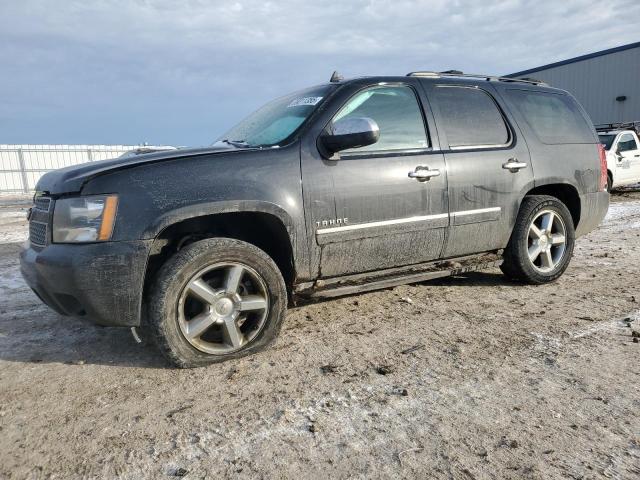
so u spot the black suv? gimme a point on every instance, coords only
(336, 189)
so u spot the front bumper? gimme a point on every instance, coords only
(594, 207)
(102, 282)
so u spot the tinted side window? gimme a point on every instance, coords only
(471, 117)
(626, 143)
(554, 118)
(397, 113)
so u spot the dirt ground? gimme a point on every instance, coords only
(465, 378)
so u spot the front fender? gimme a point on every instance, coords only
(212, 208)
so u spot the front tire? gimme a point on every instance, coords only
(214, 300)
(542, 241)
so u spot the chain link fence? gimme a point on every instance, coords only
(22, 165)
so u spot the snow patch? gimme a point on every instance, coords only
(544, 342)
(622, 210)
(16, 235)
(12, 280)
(13, 225)
(11, 214)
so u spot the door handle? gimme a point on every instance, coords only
(422, 174)
(513, 165)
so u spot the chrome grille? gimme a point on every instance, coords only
(38, 233)
(42, 203)
(39, 220)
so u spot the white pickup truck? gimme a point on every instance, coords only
(622, 146)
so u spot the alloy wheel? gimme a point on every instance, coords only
(223, 307)
(546, 241)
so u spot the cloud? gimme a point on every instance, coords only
(126, 71)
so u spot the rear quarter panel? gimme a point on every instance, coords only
(577, 164)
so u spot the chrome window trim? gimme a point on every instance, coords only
(477, 147)
(386, 153)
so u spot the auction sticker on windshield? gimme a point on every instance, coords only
(304, 101)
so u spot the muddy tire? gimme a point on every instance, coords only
(542, 241)
(214, 300)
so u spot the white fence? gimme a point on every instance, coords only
(22, 165)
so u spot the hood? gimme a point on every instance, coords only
(71, 179)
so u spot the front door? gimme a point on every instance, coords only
(627, 159)
(488, 165)
(389, 198)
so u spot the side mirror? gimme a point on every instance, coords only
(348, 133)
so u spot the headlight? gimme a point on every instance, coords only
(84, 219)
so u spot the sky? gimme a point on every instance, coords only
(183, 72)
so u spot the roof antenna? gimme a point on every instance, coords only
(336, 77)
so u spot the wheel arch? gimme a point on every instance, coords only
(566, 193)
(267, 227)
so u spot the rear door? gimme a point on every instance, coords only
(382, 217)
(488, 166)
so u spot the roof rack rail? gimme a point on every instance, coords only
(458, 73)
(529, 79)
(603, 127)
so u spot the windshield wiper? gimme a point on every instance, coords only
(236, 143)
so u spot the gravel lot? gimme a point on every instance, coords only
(468, 378)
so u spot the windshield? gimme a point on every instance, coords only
(607, 140)
(277, 120)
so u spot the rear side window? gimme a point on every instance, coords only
(471, 117)
(554, 118)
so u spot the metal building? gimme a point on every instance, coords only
(606, 83)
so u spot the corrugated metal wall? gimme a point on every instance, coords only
(22, 165)
(596, 82)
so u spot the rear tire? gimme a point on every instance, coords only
(541, 243)
(214, 300)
